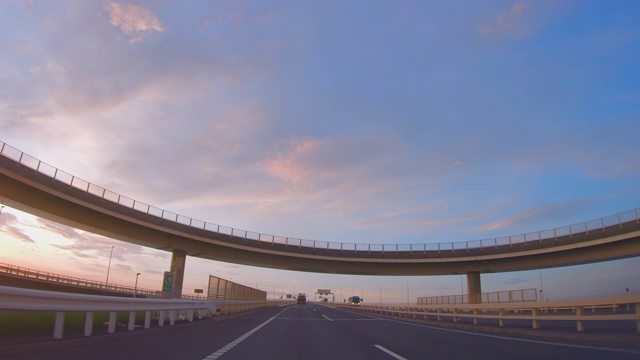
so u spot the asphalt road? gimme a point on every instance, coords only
(312, 331)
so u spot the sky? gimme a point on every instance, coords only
(382, 122)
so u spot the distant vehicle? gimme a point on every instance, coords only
(354, 300)
(302, 299)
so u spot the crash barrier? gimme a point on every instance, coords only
(234, 307)
(508, 296)
(621, 308)
(62, 303)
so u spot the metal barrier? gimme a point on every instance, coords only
(622, 308)
(509, 296)
(549, 237)
(37, 300)
(23, 272)
(224, 290)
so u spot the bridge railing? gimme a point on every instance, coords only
(619, 309)
(27, 273)
(61, 303)
(549, 236)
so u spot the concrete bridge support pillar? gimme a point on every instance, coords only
(474, 287)
(178, 262)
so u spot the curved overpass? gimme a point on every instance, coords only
(43, 190)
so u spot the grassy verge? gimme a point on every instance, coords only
(41, 323)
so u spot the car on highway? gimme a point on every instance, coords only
(302, 299)
(355, 300)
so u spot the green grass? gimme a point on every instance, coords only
(41, 323)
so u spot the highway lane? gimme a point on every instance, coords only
(315, 331)
(312, 331)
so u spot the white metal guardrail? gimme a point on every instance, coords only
(621, 308)
(37, 300)
(449, 247)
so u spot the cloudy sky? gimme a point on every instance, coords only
(347, 121)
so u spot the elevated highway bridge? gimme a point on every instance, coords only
(33, 186)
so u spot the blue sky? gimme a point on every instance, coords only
(347, 121)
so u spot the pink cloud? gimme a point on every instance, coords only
(291, 166)
(133, 20)
(514, 22)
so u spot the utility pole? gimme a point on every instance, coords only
(407, 294)
(109, 267)
(541, 288)
(135, 288)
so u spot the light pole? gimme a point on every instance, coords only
(109, 267)
(462, 287)
(407, 294)
(541, 288)
(135, 288)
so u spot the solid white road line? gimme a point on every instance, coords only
(237, 341)
(522, 340)
(602, 348)
(396, 356)
(326, 317)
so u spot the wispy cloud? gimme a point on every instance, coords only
(133, 20)
(514, 22)
(557, 210)
(8, 223)
(19, 234)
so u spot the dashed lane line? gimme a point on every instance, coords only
(237, 341)
(394, 355)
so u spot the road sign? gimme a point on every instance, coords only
(168, 281)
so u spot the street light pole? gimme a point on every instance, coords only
(109, 267)
(135, 288)
(541, 288)
(407, 294)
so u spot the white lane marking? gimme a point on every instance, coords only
(522, 340)
(326, 317)
(390, 353)
(635, 352)
(237, 341)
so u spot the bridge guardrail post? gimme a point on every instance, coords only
(161, 315)
(112, 322)
(132, 320)
(147, 319)
(535, 323)
(579, 315)
(58, 330)
(88, 323)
